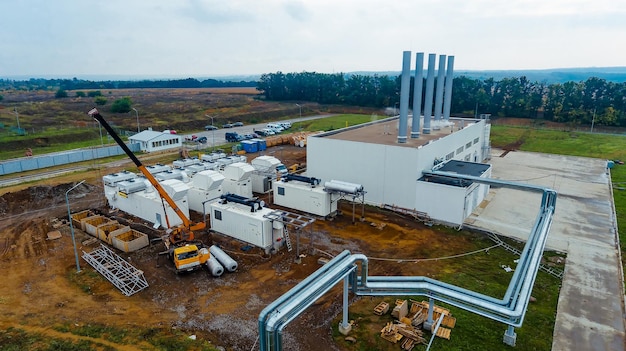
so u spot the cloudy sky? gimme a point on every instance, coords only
(200, 38)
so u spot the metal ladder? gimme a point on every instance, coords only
(287, 238)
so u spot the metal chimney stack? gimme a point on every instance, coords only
(439, 94)
(404, 96)
(447, 100)
(428, 98)
(417, 94)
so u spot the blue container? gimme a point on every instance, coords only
(261, 144)
(249, 146)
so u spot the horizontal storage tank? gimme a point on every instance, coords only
(186, 162)
(303, 197)
(237, 221)
(112, 179)
(344, 187)
(214, 266)
(223, 258)
(131, 186)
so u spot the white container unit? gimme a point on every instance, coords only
(303, 197)
(237, 179)
(204, 186)
(185, 162)
(238, 221)
(114, 178)
(146, 203)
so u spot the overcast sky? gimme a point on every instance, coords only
(200, 38)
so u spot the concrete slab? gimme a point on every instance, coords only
(590, 312)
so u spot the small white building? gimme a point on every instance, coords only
(150, 141)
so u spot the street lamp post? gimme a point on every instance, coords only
(212, 132)
(69, 215)
(17, 117)
(137, 115)
(300, 107)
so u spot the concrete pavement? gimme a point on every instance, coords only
(590, 312)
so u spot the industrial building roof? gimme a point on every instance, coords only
(459, 167)
(386, 132)
(148, 135)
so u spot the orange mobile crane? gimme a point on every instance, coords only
(185, 253)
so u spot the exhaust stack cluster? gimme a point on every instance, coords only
(442, 96)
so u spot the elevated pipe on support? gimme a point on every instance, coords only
(447, 98)
(440, 82)
(417, 94)
(404, 97)
(428, 97)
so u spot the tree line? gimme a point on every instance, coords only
(594, 99)
(74, 84)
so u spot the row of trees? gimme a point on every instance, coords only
(570, 102)
(74, 84)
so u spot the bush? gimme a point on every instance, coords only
(122, 105)
(94, 93)
(100, 100)
(80, 94)
(60, 94)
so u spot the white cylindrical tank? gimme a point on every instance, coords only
(215, 267)
(345, 187)
(223, 258)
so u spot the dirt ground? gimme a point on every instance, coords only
(41, 288)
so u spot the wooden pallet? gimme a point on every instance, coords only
(381, 308)
(443, 333)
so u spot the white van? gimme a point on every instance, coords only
(285, 125)
(275, 127)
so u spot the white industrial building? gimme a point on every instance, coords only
(389, 164)
(150, 141)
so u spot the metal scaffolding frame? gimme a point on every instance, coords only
(128, 279)
(295, 220)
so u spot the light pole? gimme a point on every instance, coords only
(394, 108)
(212, 132)
(300, 106)
(593, 119)
(17, 117)
(137, 115)
(69, 215)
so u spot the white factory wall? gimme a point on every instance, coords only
(441, 202)
(389, 173)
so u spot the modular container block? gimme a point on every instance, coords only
(237, 221)
(129, 241)
(302, 197)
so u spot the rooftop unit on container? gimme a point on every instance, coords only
(212, 156)
(237, 179)
(243, 219)
(171, 174)
(204, 186)
(202, 166)
(114, 178)
(302, 194)
(131, 186)
(158, 168)
(186, 162)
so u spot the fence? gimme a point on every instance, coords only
(61, 158)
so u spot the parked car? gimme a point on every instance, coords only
(170, 131)
(268, 131)
(227, 125)
(285, 125)
(249, 136)
(191, 137)
(202, 140)
(238, 124)
(210, 127)
(233, 137)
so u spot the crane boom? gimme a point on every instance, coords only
(182, 234)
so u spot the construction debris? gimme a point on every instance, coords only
(381, 308)
(408, 328)
(53, 235)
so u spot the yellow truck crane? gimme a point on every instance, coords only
(186, 253)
